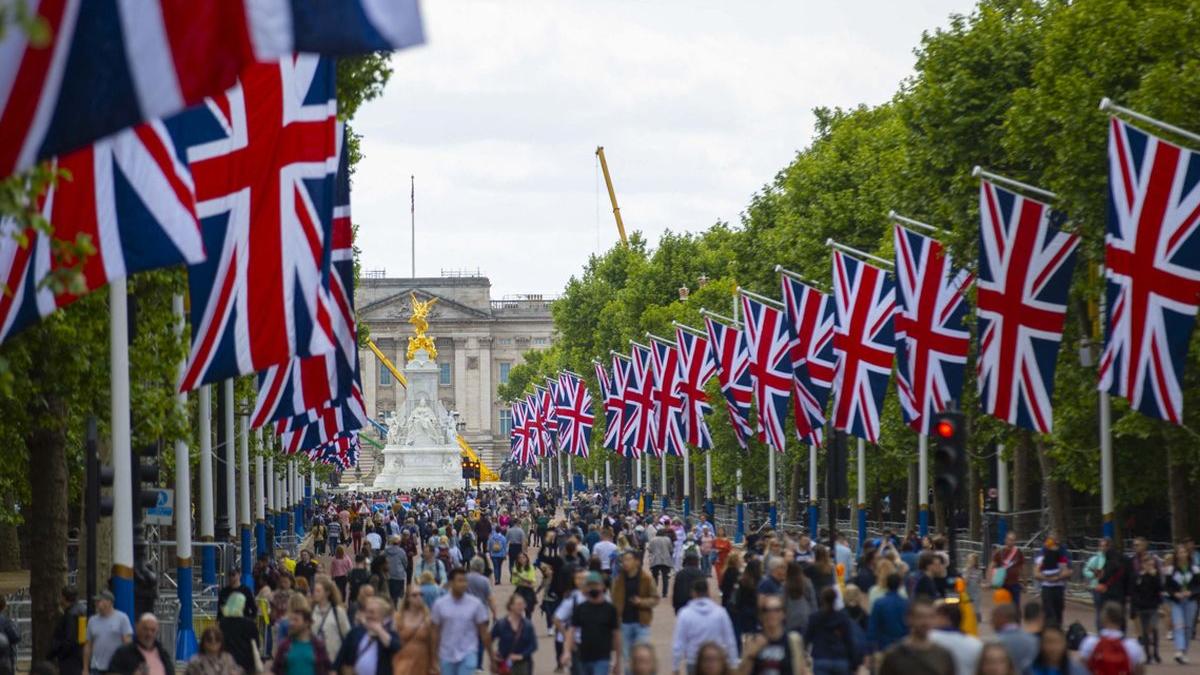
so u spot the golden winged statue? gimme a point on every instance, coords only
(420, 312)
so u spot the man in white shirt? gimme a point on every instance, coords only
(604, 550)
(963, 648)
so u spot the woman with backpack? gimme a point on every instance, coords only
(331, 622)
(1182, 587)
(497, 551)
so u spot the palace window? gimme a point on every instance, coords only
(505, 368)
(505, 422)
(385, 375)
(539, 340)
(444, 374)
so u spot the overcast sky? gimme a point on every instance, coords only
(697, 103)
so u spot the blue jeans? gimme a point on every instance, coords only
(464, 667)
(497, 563)
(831, 667)
(588, 668)
(1183, 617)
(631, 634)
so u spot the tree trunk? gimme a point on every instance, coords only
(1177, 491)
(49, 489)
(910, 510)
(974, 506)
(1056, 499)
(10, 548)
(1025, 493)
(794, 488)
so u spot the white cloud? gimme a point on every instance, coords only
(697, 103)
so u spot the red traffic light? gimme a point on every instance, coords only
(945, 429)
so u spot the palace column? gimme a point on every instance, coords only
(460, 376)
(486, 423)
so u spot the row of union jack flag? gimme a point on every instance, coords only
(210, 140)
(556, 417)
(796, 355)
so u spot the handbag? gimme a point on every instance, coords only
(998, 576)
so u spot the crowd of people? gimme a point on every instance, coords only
(382, 586)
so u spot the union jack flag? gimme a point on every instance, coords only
(733, 373)
(533, 432)
(130, 195)
(810, 321)
(696, 368)
(341, 452)
(324, 380)
(1025, 266)
(126, 62)
(575, 416)
(1152, 269)
(639, 423)
(539, 438)
(557, 386)
(317, 427)
(931, 341)
(864, 344)
(548, 418)
(520, 433)
(613, 406)
(770, 368)
(263, 157)
(668, 404)
(622, 371)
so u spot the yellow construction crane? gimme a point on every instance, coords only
(612, 194)
(387, 363)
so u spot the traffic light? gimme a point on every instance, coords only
(949, 453)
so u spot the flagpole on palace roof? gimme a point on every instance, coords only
(412, 211)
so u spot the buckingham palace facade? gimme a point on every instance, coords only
(478, 341)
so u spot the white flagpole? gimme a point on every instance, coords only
(245, 515)
(607, 476)
(230, 461)
(260, 495)
(663, 480)
(814, 506)
(1002, 490)
(185, 636)
(687, 483)
(1108, 501)
(122, 452)
(923, 483)
(208, 554)
(774, 511)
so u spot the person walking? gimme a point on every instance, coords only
(800, 600)
(212, 659)
(497, 545)
(300, 653)
(1022, 646)
(368, 647)
(331, 621)
(1110, 651)
(833, 638)
(461, 623)
(306, 567)
(947, 634)
(107, 630)
(524, 578)
(339, 569)
(66, 651)
(515, 536)
(700, 622)
(397, 567)
(773, 651)
(429, 563)
(687, 576)
(9, 639)
(1092, 570)
(599, 632)
(516, 639)
(916, 653)
(1145, 597)
(634, 596)
(1005, 569)
(239, 633)
(1052, 568)
(661, 560)
(145, 654)
(1182, 586)
(888, 624)
(414, 626)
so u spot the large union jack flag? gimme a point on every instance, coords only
(106, 66)
(931, 341)
(263, 157)
(1025, 266)
(614, 405)
(864, 344)
(575, 417)
(696, 368)
(733, 374)
(668, 404)
(130, 195)
(521, 449)
(324, 380)
(317, 427)
(534, 429)
(770, 368)
(810, 321)
(1152, 269)
(548, 419)
(639, 423)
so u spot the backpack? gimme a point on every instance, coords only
(1109, 658)
(496, 545)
